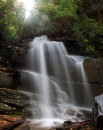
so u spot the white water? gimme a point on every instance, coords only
(58, 79)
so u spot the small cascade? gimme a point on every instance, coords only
(56, 81)
(87, 95)
(83, 88)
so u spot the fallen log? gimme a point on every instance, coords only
(12, 125)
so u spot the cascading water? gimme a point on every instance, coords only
(82, 80)
(58, 79)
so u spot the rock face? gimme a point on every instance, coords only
(5, 79)
(9, 78)
(13, 102)
(13, 54)
(94, 72)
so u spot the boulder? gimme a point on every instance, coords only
(70, 111)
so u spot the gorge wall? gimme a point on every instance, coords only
(94, 72)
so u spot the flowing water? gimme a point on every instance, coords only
(56, 81)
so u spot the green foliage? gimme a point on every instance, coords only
(89, 33)
(9, 21)
(85, 29)
(62, 14)
(73, 19)
(61, 8)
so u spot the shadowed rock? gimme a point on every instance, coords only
(13, 102)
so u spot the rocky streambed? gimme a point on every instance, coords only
(15, 109)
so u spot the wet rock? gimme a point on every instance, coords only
(93, 71)
(13, 97)
(4, 107)
(77, 125)
(5, 79)
(80, 115)
(9, 78)
(23, 126)
(62, 129)
(70, 111)
(86, 113)
(101, 64)
(13, 102)
(67, 123)
(96, 89)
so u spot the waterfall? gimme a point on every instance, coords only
(57, 79)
